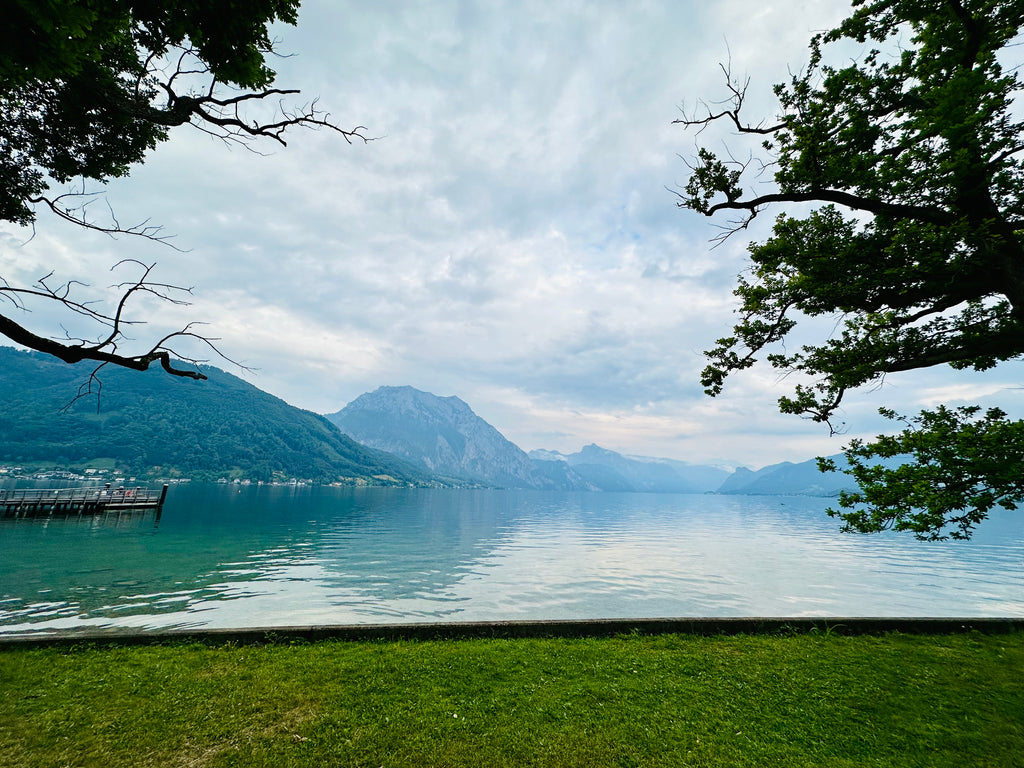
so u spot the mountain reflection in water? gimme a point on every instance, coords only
(224, 556)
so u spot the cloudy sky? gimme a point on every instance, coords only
(510, 236)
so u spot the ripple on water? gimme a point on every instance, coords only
(396, 556)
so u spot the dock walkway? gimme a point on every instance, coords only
(36, 502)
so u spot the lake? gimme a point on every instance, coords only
(230, 556)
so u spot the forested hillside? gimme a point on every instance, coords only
(154, 423)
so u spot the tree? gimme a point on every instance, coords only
(912, 154)
(87, 88)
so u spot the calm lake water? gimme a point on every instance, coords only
(224, 556)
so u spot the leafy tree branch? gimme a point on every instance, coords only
(88, 89)
(915, 250)
(959, 464)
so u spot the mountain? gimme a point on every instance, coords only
(219, 427)
(561, 475)
(787, 478)
(444, 436)
(611, 471)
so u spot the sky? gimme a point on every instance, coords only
(510, 236)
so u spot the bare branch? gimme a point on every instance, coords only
(86, 389)
(106, 349)
(1005, 155)
(77, 215)
(221, 116)
(737, 94)
(237, 127)
(249, 96)
(848, 199)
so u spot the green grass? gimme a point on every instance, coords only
(673, 700)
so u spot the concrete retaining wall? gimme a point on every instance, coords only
(518, 629)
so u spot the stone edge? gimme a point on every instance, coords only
(521, 629)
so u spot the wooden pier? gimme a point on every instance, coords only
(43, 502)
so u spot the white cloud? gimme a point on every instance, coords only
(508, 239)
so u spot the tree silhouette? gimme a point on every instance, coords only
(86, 90)
(914, 154)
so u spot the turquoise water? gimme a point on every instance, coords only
(227, 556)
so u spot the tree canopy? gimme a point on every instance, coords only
(913, 154)
(89, 87)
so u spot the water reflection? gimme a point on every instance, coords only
(231, 557)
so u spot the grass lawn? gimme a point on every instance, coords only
(670, 700)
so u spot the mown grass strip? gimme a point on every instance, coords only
(670, 700)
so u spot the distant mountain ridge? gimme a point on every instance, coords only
(611, 471)
(444, 436)
(224, 427)
(798, 479)
(152, 421)
(790, 479)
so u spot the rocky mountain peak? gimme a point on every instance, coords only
(442, 434)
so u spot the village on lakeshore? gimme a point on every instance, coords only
(100, 475)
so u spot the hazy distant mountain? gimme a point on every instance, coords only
(562, 475)
(219, 427)
(787, 478)
(539, 454)
(701, 478)
(611, 471)
(444, 436)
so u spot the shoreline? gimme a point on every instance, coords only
(558, 628)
